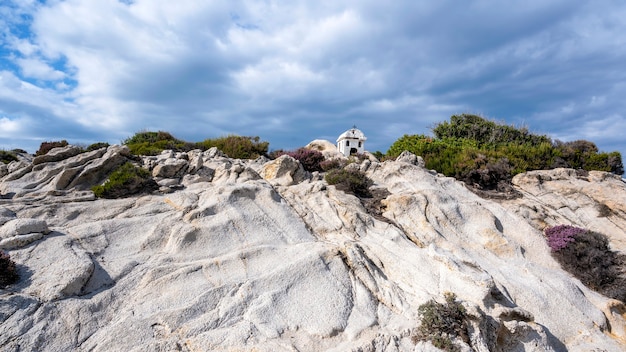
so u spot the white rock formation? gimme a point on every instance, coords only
(232, 261)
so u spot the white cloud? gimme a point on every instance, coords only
(9, 127)
(38, 69)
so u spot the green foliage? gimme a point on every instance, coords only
(7, 156)
(45, 147)
(442, 322)
(153, 143)
(96, 146)
(485, 132)
(126, 180)
(237, 147)
(8, 270)
(486, 154)
(331, 164)
(350, 181)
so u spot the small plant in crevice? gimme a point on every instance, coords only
(8, 270)
(587, 255)
(126, 180)
(350, 181)
(440, 323)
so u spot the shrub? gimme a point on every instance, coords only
(96, 146)
(237, 147)
(587, 255)
(8, 270)
(310, 159)
(350, 181)
(442, 322)
(153, 143)
(45, 147)
(331, 164)
(487, 154)
(126, 180)
(560, 236)
(6, 157)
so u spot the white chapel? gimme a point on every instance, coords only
(351, 142)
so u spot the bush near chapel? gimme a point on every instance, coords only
(350, 181)
(484, 154)
(311, 160)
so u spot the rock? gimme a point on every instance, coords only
(328, 149)
(284, 171)
(408, 157)
(4, 170)
(20, 240)
(57, 154)
(18, 227)
(238, 262)
(6, 215)
(170, 168)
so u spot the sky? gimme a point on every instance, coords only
(291, 71)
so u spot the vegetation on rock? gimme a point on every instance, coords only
(237, 147)
(126, 180)
(440, 323)
(485, 154)
(7, 156)
(311, 160)
(350, 181)
(45, 147)
(96, 146)
(586, 255)
(8, 270)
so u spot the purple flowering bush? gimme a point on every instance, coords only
(8, 271)
(562, 235)
(587, 255)
(310, 159)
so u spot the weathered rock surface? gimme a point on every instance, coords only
(251, 255)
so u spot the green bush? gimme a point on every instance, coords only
(96, 146)
(331, 164)
(153, 143)
(237, 147)
(442, 322)
(586, 255)
(45, 147)
(486, 154)
(125, 181)
(6, 156)
(8, 270)
(350, 181)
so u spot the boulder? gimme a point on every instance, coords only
(57, 154)
(170, 168)
(284, 171)
(18, 227)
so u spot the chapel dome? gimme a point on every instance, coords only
(353, 133)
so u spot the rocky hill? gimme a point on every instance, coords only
(260, 255)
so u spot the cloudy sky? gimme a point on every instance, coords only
(291, 71)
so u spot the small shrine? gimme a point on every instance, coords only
(351, 142)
